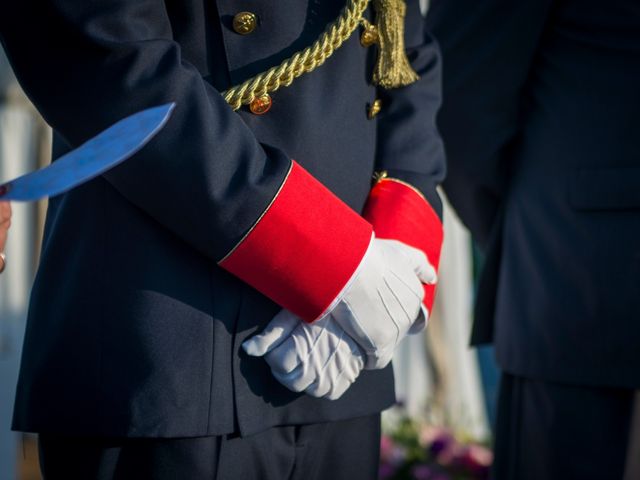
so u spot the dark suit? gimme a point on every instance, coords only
(541, 130)
(133, 330)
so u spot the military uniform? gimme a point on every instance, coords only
(153, 275)
(540, 122)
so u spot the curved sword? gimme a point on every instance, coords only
(92, 158)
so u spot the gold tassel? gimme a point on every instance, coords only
(392, 68)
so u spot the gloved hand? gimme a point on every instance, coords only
(319, 358)
(377, 308)
(383, 300)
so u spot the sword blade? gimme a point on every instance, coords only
(94, 157)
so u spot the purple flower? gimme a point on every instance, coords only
(441, 476)
(398, 455)
(441, 443)
(428, 434)
(386, 471)
(421, 472)
(444, 457)
(390, 452)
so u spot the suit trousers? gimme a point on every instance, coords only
(551, 431)
(347, 449)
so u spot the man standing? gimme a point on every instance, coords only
(154, 276)
(541, 127)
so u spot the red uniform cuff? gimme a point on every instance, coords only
(303, 249)
(398, 211)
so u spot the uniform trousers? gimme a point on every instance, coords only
(548, 431)
(338, 450)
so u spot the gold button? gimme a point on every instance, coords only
(245, 23)
(261, 105)
(375, 108)
(369, 36)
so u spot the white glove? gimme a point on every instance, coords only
(383, 300)
(317, 358)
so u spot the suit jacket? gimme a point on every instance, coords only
(540, 125)
(133, 328)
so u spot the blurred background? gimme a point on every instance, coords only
(24, 146)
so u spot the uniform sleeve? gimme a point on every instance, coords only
(405, 205)
(487, 50)
(88, 63)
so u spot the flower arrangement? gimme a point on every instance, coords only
(412, 450)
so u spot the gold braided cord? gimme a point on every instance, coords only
(392, 69)
(302, 62)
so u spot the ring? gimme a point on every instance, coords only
(3, 257)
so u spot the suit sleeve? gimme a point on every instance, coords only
(405, 205)
(487, 50)
(88, 63)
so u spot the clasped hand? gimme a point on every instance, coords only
(380, 305)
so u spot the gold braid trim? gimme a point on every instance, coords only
(301, 62)
(337, 33)
(392, 69)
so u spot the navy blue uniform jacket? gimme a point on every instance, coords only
(133, 329)
(540, 122)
